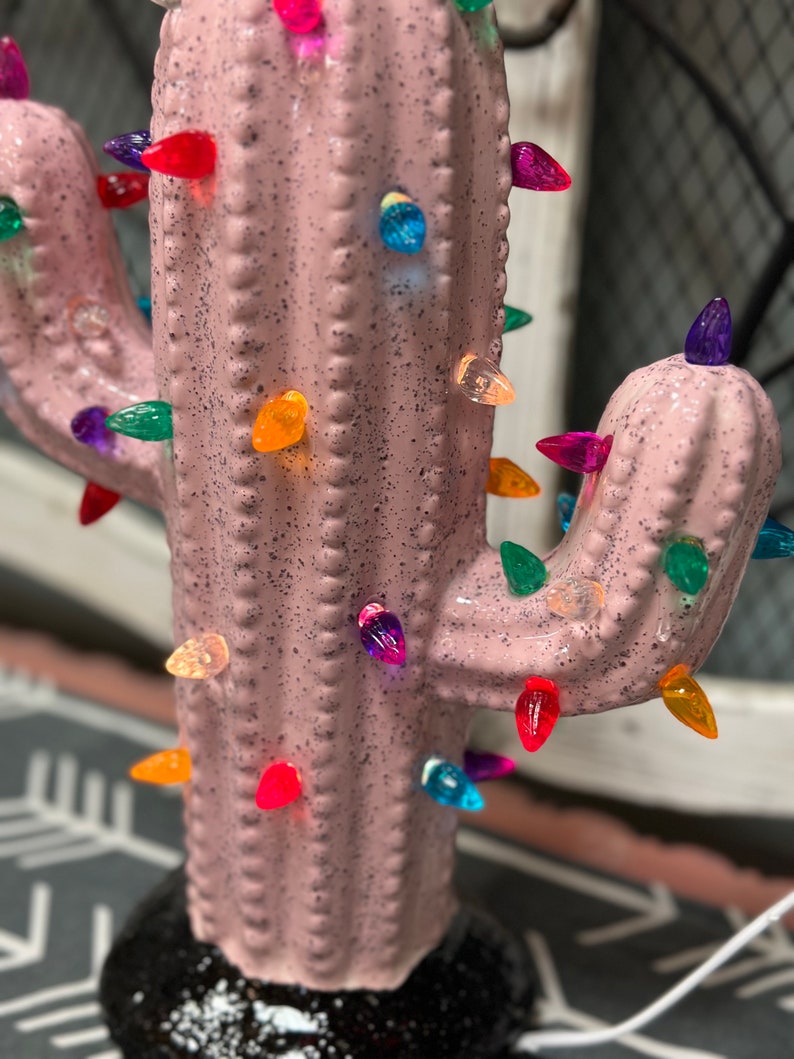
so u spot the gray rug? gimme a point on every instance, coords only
(80, 845)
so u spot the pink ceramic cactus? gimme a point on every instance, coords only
(271, 275)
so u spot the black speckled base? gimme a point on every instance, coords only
(166, 995)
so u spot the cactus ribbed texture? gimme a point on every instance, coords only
(271, 275)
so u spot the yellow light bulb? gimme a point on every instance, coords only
(166, 766)
(482, 382)
(199, 658)
(507, 479)
(281, 422)
(686, 700)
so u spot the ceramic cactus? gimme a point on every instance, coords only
(271, 275)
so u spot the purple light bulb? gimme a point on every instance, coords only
(88, 426)
(709, 339)
(382, 636)
(480, 765)
(129, 147)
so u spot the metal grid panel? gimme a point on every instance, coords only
(692, 195)
(94, 59)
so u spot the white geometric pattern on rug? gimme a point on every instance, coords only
(80, 845)
(64, 829)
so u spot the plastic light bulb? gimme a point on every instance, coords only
(129, 147)
(481, 381)
(96, 502)
(382, 635)
(391, 198)
(189, 155)
(515, 318)
(14, 79)
(481, 765)
(147, 421)
(507, 479)
(402, 224)
(687, 701)
(280, 423)
(708, 341)
(578, 451)
(775, 541)
(88, 427)
(566, 503)
(576, 598)
(10, 218)
(371, 610)
(87, 318)
(280, 785)
(200, 657)
(166, 766)
(449, 785)
(686, 564)
(117, 191)
(537, 712)
(525, 572)
(299, 16)
(535, 169)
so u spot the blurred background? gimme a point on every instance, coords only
(675, 119)
(94, 59)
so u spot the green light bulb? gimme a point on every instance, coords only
(515, 318)
(525, 573)
(10, 218)
(147, 421)
(685, 563)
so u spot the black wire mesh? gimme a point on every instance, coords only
(94, 59)
(692, 196)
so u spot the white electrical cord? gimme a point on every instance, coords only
(530, 1043)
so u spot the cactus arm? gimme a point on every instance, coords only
(696, 453)
(67, 250)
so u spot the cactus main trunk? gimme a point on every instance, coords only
(274, 277)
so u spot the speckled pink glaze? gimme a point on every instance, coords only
(696, 453)
(271, 275)
(67, 251)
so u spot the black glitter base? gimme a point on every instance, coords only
(166, 995)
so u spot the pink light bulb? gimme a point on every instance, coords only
(14, 79)
(578, 451)
(299, 16)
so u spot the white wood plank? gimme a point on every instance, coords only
(118, 566)
(551, 101)
(642, 754)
